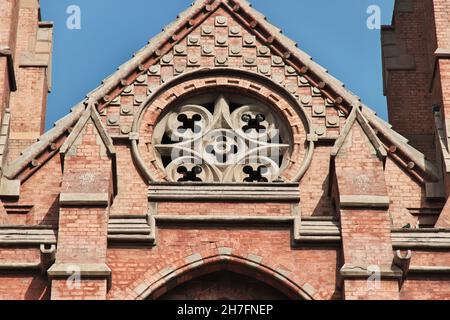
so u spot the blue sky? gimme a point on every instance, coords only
(333, 32)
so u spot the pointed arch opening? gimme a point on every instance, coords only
(188, 281)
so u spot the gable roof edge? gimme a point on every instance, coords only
(124, 70)
(425, 166)
(29, 154)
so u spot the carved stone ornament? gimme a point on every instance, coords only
(222, 138)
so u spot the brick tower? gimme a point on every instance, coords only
(222, 162)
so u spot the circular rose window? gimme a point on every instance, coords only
(222, 137)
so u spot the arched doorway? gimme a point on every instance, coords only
(224, 285)
(224, 277)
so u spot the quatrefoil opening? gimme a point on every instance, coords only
(222, 139)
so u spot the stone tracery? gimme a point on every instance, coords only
(222, 140)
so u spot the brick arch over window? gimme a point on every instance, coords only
(237, 81)
(155, 284)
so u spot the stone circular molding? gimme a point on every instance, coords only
(222, 126)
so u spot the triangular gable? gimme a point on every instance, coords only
(89, 114)
(268, 34)
(357, 165)
(271, 36)
(356, 117)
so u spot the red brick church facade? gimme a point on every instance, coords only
(221, 161)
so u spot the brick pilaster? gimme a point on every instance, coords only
(8, 32)
(361, 198)
(32, 63)
(80, 270)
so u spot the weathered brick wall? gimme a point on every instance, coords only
(83, 227)
(358, 167)
(8, 24)
(426, 289)
(314, 196)
(20, 254)
(363, 290)
(41, 192)
(8, 30)
(404, 193)
(229, 209)
(409, 73)
(220, 286)
(86, 290)
(366, 237)
(366, 230)
(31, 61)
(132, 189)
(27, 109)
(82, 235)
(430, 258)
(24, 287)
(131, 267)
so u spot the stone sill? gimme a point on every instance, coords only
(86, 270)
(201, 192)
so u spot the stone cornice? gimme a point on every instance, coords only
(421, 238)
(27, 235)
(198, 192)
(139, 228)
